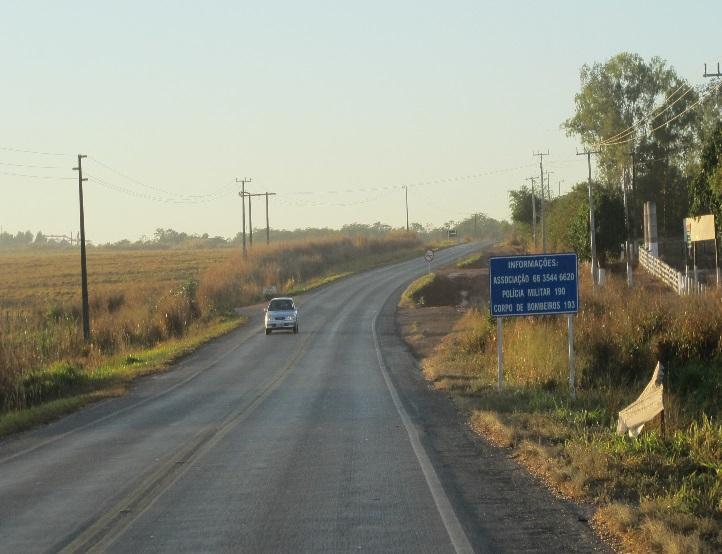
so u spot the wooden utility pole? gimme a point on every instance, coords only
(406, 189)
(718, 74)
(628, 188)
(533, 210)
(549, 185)
(592, 229)
(268, 229)
(541, 176)
(242, 194)
(250, 222)
(83, 262)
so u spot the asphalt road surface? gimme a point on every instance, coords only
(325, 441)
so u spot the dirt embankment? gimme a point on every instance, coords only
(433, 305)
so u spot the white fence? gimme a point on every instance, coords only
(676, 280)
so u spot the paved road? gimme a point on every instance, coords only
(325, 441)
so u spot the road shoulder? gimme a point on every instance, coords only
(499, 504)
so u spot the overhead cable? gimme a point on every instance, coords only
(25, 175)
(702, 97)
(23, 151)
(661, 108)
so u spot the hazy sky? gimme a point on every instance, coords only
(319, 98)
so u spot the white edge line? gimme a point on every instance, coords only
(458, 537)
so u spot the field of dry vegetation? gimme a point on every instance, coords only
(140, 300)
(657, 493)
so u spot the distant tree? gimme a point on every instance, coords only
(23, 239)
(706, 187)
(169, 237)
(617, 98)
(481, 226)
(568, 222)
(521, 206)
(625, 101)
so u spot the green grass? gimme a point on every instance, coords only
(411, 297)
(472, 261)
(671, 484)
(67, 387)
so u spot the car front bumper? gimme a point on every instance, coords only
(280, 324)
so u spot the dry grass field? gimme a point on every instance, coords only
(142, 300)
(51, 277)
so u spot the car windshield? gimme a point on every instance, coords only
(280, 305)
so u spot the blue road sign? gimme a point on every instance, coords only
(536, 284)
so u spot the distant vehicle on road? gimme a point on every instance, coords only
(281, 313)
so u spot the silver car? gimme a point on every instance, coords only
(281, 313)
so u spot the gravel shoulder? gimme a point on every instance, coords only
(501, 506)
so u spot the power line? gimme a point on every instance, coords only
(32, 166)
(187, 200)
(438, 181)
(26, 176)
(661, 109)
(702, 97)
(334, 204)
(217, 192)
(22, 151)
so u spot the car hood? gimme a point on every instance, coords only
(282, 313)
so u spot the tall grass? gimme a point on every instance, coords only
(620, 334)
(661, 491)
(41, 344)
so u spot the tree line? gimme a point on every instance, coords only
(165, 238)
(655, 133)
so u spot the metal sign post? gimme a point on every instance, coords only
(716, 261)
(429, 256)
(538, 284)
(570, 348)
(499, 353)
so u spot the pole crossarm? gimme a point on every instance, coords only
(247, 194)
(718, 74)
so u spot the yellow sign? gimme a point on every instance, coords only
(699, 228)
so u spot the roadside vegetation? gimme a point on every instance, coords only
(652, 131)
(147, 308)
(659, 492)
(662, 491)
